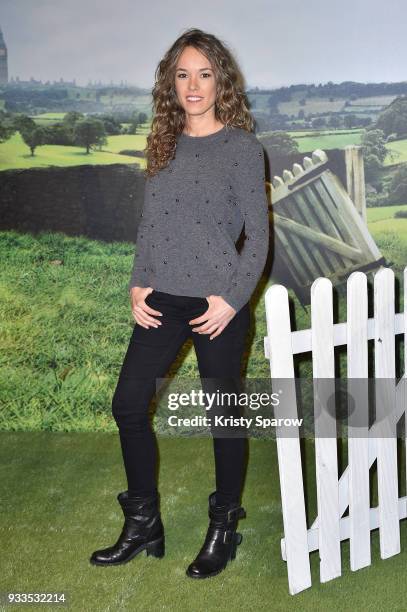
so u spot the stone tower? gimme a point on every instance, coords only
(3, 61)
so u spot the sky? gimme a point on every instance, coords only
(276, 42)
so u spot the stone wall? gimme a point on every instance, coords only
(102, 202)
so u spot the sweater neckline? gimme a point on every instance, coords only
(208, 138)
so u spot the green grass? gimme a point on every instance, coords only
(59, 505)
(15, 154)
(327, 132)
(48, 118)
(389, 233)
(329, 141)
(65, 327)
(380, 213)
(397, 152)
(125, 141)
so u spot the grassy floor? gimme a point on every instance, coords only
(59, 504)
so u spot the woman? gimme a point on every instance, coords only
(205, 180)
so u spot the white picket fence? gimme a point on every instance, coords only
(335, 495)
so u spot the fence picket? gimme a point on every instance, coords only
(325, 429)
(402, 381)
(358, 435)
(288, 448)
(386, 441)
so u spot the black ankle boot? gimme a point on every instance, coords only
(142, 530)
(220, 542)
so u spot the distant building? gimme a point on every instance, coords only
(3, 61)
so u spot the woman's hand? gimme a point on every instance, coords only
(218, 315)
(141, 311)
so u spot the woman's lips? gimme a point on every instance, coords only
(194, 101)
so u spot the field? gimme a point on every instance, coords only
(397, 152)
(325, 105)
(15, 154)
(331, 140)
(385, 213)
(48, 118)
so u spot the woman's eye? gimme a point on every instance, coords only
(182, 74)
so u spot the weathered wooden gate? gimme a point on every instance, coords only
(318, 230)
(377, 443)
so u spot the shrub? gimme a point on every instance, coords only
(131, 152)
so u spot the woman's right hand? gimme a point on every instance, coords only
(141, 311)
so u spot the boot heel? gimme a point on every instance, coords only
(156, 548)
(236, 540)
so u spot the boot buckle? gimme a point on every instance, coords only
(227, 536)
(236, 513)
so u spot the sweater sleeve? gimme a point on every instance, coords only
(141, 262)
(247, 178)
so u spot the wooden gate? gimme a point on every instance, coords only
(318, 230)
(335, 496)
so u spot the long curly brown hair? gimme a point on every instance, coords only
(231, 106)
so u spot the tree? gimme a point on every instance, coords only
(71, 118)
(394, 118)
(318, 122)
(374, 152)
(89, 132)
(398, 185)
(350, 120)
(7, 127)
(137, 118)
(58, 134)
(112, 125)
(23, 122)
(280, 143)
(374, 142)
(334, 121)
(33, 138)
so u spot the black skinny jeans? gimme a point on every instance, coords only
(149, 355)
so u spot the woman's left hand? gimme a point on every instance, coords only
(218, 315)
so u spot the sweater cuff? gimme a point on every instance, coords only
(235, 298)
(138, 278)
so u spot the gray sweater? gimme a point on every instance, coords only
(193, 213)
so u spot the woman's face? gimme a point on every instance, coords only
(195, 83)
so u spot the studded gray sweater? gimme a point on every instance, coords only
(193, 213)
